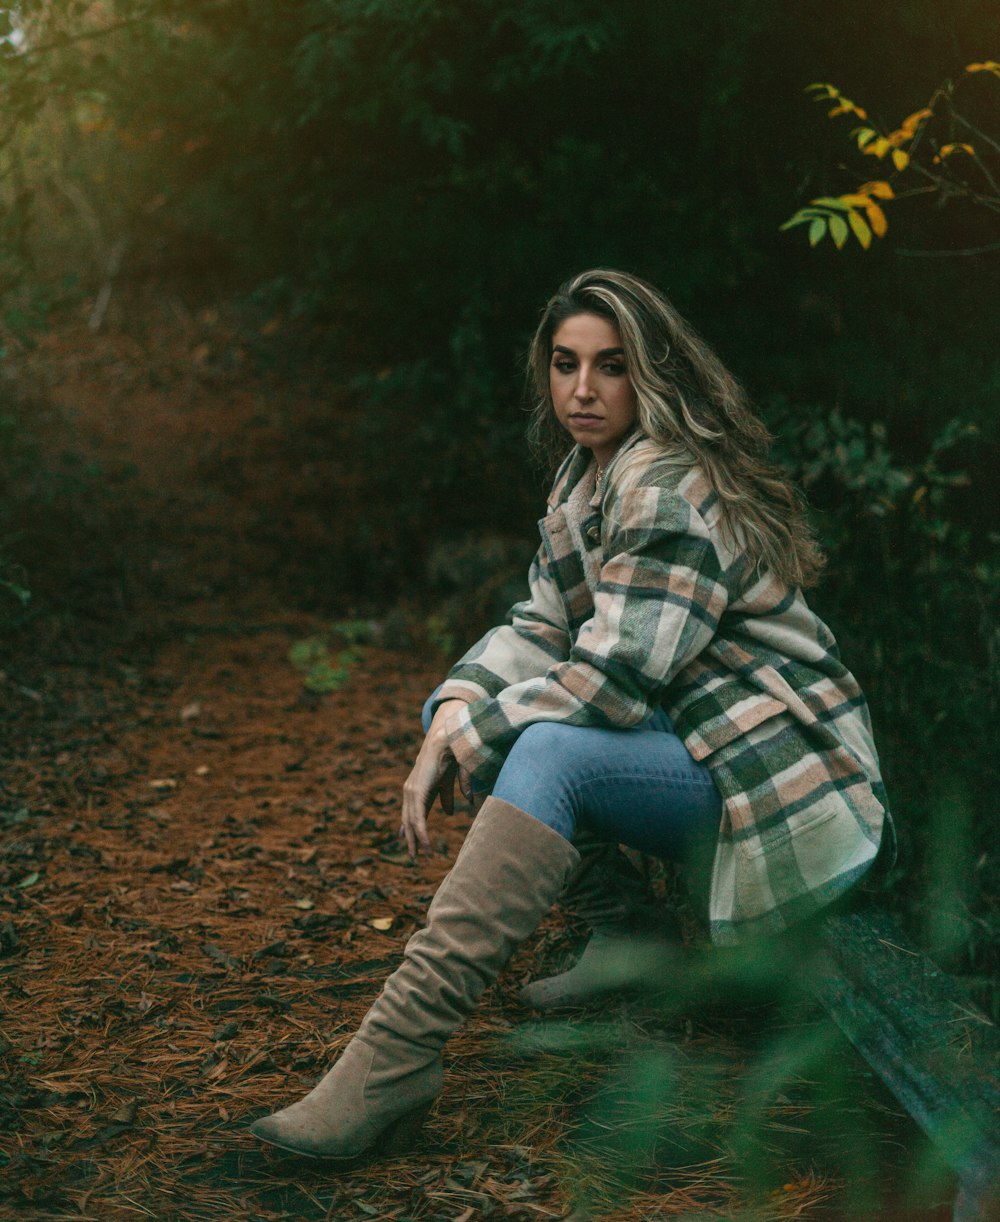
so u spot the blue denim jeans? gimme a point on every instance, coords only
(637, 787)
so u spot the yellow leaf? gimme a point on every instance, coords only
(816, 231)
(881, 190)
(876, 218)
(838, 231)
(877, 148)
(861, 230)
(989, 66)
(857, 200)
(304, 904)
(846, 107)
(948, 149)
(864, 135)
(900, 159)
(910, 124)
(381, 923)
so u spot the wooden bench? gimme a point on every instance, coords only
(935, 1051)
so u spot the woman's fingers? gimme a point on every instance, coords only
(415, 831)
(432, 776)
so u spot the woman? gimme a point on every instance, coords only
(664, 683)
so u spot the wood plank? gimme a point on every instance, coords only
(936, 1052)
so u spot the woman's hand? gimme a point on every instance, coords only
(432, 776)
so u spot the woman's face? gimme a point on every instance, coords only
(592, 394)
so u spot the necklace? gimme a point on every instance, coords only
(600, 476)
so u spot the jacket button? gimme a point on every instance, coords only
(594, 533)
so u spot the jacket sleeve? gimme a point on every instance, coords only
(658, 602)
(533, 638)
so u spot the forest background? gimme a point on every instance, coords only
(380, 195)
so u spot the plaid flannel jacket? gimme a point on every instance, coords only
(638, 600)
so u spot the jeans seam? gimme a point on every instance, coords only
(695, 782)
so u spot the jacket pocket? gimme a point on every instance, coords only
(789, 830)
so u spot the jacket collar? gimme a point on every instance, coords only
(576, 463)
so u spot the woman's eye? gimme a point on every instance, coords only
(615, 369)
(563, 366)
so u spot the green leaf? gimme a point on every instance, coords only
(831, 201)
(354, 631)
(838, 231)
(29, 880)
(15, 591)
(303, 655)
(326, 678)
(816, 231)
(803, 215)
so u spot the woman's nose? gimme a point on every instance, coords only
(582, 390)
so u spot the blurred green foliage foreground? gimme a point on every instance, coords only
(403, 183)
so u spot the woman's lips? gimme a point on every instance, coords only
(585, 419)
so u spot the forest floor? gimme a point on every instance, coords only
(202, 887)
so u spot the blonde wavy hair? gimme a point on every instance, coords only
(692, 410)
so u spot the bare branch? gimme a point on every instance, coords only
(980, 135)
(944, 254)
(956, 187)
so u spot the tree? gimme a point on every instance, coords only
(930, 149)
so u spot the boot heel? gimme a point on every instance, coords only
(403, 1133)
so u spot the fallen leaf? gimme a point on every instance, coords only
(305, 904)
(381, 923)
(397, 859)
(190, 711)
(29, 880)
(219, 955)
(202, 770)
(213, 1074)
(164, 783)
(127, 1113)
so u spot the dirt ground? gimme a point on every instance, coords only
(201, 887)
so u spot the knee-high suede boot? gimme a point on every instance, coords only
(507, 875)
(634, 942)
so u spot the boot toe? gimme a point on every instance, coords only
(275, 1131)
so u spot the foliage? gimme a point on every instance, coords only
(914, 590)
(324, 670)
(925, 148)
(795, 1101)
